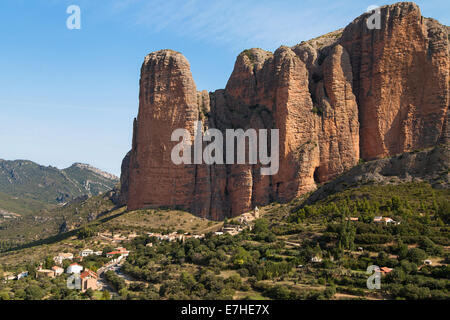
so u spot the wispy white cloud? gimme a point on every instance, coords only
(264, 23)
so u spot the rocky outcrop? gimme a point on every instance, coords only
(401, 80)
(430, 165)
(353, 93)
(168, 100)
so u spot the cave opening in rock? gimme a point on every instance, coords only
(316, 175)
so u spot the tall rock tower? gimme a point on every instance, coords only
(353, 93)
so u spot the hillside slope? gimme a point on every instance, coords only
(27, 186)
(430, 165)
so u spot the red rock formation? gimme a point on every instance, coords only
(374, 92)
(401, 80)
(167, 101)
(339, 134)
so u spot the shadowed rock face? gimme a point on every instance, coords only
(354, 91)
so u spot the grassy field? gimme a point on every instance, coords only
(162, 220)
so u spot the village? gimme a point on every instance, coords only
(91, 279)
(113, 255)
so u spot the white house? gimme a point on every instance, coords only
(74, 268)
(61, 257)
(389, 220)
(121, 252)
(386, 220)
(86, 252)
(57, 270)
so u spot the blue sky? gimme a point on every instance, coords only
(71, 95)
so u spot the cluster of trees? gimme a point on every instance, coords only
(87, 232)
(367, 202)
(115, 281)
(37, 289)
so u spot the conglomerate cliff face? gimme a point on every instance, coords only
(351, 94)
(401, 80)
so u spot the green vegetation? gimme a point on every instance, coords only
(295, 251)
(317, 111)
(26, 187)
(53, 224)
(249, 55)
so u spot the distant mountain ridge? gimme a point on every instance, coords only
(95, 170)
(24, 180)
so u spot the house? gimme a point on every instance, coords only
(386, 220)
(218, 233)
(61, 257)
(9, 276)
(115, 255)
(116, 252)
(86, 252)
(351, 219)
(118, 238)
(231, 229)
(74, 268)
(98, 253)
(385, 270)
(123, 251)
(316, 259)
(21, 275)
(44, 273)
(88, 280)
(246, 218)
(57, 270)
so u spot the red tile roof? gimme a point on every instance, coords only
(88, 273)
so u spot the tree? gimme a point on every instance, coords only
(347, 235)
(234, 281)
(188, 280)
(416, 255)
(48, 263)
(402, 250)
(86, 232)
(241, 257)
(4, 296)
(33, 292)
(106, 295)
(329, 292)
(261, 226)
(90, 293)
